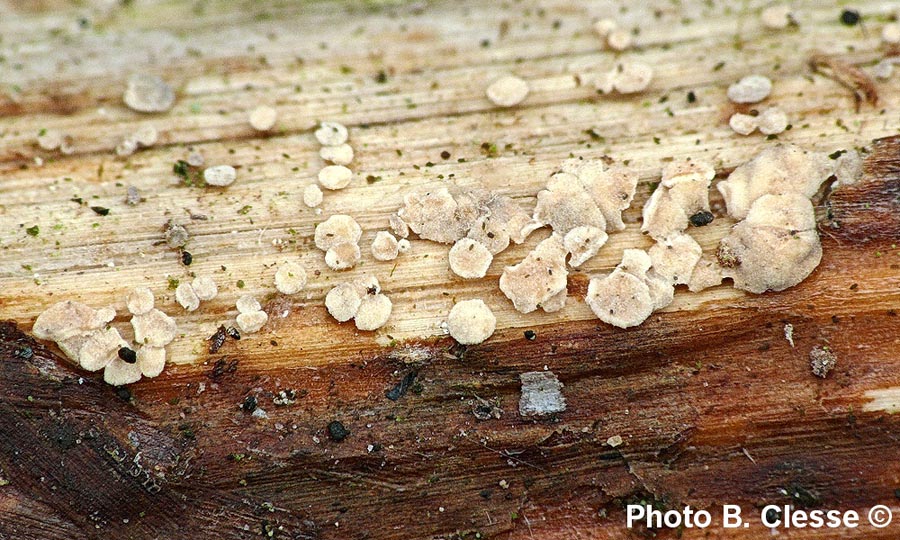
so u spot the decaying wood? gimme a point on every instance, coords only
(713, 404)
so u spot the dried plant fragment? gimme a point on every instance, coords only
(846, 74)
(541, 394)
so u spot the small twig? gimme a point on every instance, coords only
(847, 75)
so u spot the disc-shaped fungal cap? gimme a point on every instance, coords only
(776, 256)
(434, 215)
(186, 297)
(263, 117)
(154, 328)
(539, 277)
(612, 189)
(148, 93)
(743, 124)
(145, 135)
(343, 301)
(151, 360)
(331, 134)
(782, 168)
(675, 257)
(469, 258)
(627, 78)
(374, 311)
(290, 278)
(335, 177)
(776, 17)
(341, 154)
(750, 89)
(312, 195)
(619, 39)
(337, 229)
(252, 321)
(565, 204)
(620, 299)
(205, 288)
(507, 91)
(247, 304)
(398, 226)
(67, 319)
(100, 349)
(119, 372)
(707, 273)
(385, 246)
(772, 121)
(220, 175)
(471, 322)
(342, 256)
(582, 243)
(604, 26)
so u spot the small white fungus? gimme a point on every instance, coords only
(743, 124)
(252, 321)
(398, 226)
(777, 17)
(337, 229)
(750, 89)
(471, 322)
(247, 304)
(100, 348)
(331, 134)
(205, 288)
(154, 328)
(335, 177)
(139, 301)
(469, 258)
(263, 118)
(625, 78)
(220, 175)
(342, 256)
(507, 91)
(49, 139)
(312, 195)
(403, 245)
(619, 39)
(145, 135)
(582, 243)
(148, 93)
(675, 257)
(119, 372)
(186, 297)
(341, 154)
(385, 246)
(603, 27)
(343, 301)
(374, 311)
(682, 193)
(772, 121)
(539, 278)
(290, 278)
(890, 33)
(151, 360)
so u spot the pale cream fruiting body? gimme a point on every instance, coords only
(469, 259)
(335, 177)
(471, 322)
(361, 299)
(139, 301)
(628, 295)
(220, 175)
(582, 243)
(290, 278)
(247, 304)
(373, 313)
(154, 328)
(341, 154)
(205, 288)
(540, 277)
(772, 121)
(148, 94)
(777, 17)
(331, 134)
(750, 89)
(625, 78)
(312, 195)
(337, 229)
(263, 118)
(743, 124)
(385, 246)
(682, 192)
(398, 226)
(507, 91)
(675, 257)
(252, 321)
(186, 297)
(343, 301)
(343, 256)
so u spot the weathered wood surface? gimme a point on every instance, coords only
(713, 404)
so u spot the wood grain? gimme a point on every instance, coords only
(713, 404)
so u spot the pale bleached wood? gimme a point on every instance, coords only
(232, 56)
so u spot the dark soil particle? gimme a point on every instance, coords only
(127, 355)
(186, 258)
(249, 404)
(337, 431)
(530, 335)
(701, 218)
(400, 389)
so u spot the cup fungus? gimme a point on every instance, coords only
(398, 226)
(707, 273)
(682, 193)
(675, 257)
(148, 93)
(205, 288)
(743, 124)
(775, 247)
(628, 295)
(374, 311)
(219, 175)
(342, 256)
(469, 259)
(750, 89)
(139, 301)
(154, 328)
(186, 297)
(247, 304)
(335, 177)
(772, 121)
(252, 321)
(471, 322)
(361, 299)
(625, 78)
(263, 117)
(337, 229)
(539, 278)
(583, 243)
(341, 154)
(782, 168)
(343, 301)
(507, 91)
(611, 188)
(385, 246)
(312, 195)
(777, 17)
(290, 278)
(331, 134)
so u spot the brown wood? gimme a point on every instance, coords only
(713, 405)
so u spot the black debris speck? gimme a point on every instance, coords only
(249, 404)
(337, 431)
(186, 258)
(127, 355)
(217, 340)
(691, 97)
(233, 333)
(445, 155)
(530, 335)
(123, 393)
(100, 210)
(397, 391)
(25, 353)
(850, 17)
(702, 218)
